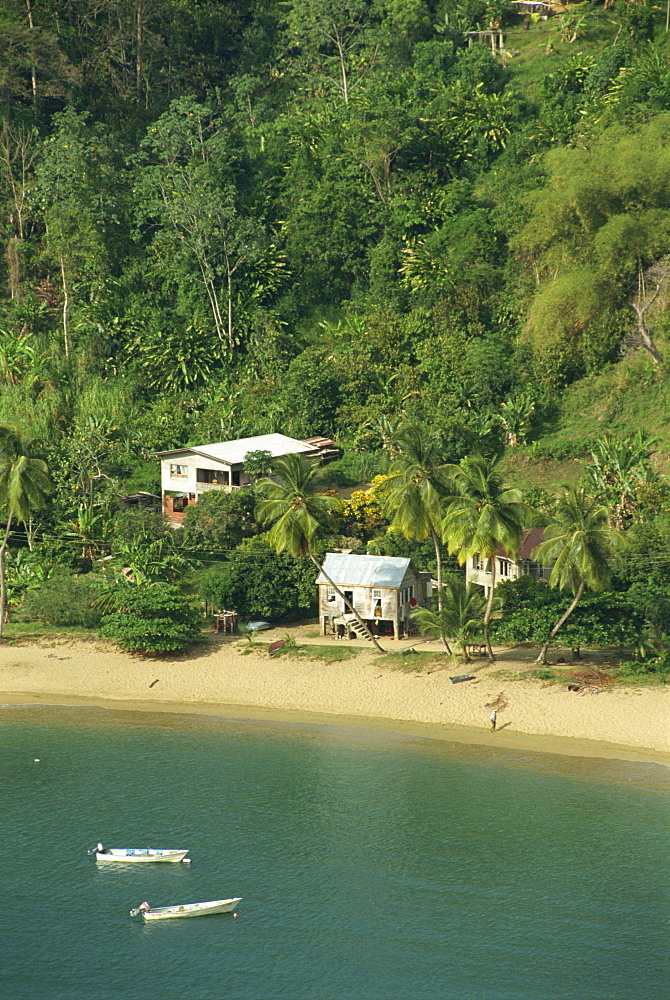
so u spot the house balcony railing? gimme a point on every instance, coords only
(205, 487)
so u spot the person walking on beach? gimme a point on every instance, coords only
(494, 719)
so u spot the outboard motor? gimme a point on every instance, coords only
(98, 849)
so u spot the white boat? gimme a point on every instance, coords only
(186, 910)
(137, 854)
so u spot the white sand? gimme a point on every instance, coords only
(624, 722)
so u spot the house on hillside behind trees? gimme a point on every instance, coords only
(187, 473)
(382, 589)
(478, 570)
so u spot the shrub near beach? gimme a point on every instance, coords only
(154, 618)
(260, 583)
(64, 599)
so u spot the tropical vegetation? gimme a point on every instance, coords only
(347, 218)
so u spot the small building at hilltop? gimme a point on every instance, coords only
(543, 8)
(187, 473)
(478, 570)
(382, 589)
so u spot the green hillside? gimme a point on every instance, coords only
(229, 218)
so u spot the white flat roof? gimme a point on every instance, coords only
(235, 452)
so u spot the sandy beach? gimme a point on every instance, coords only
(220, 678)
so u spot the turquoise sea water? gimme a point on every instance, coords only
(372, 865)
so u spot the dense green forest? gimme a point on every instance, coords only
(223, 218)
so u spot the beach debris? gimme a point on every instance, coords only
(154, 682)
(592, 678)
(499, 703)
(274, 646)
(462, 677)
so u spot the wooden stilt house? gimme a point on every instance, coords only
(382, 589)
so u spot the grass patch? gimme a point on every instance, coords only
(412, 662)
(525, 470)
(533, 59)
(326, 654)
(619, 399)
(17, 633)
(545, 674)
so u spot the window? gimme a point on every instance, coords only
(179, 471)
(504, 567)
(479, 563)
(330, 594)
(215, 477)
(376, 595)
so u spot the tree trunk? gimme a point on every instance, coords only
(33, 68)
(489, 609)
(642, 305)
(66, 308)
(542, 658)
(645, 337)
(230, 309)
(438, 559)
(343, 68)
(138, 51)
(3, 584)
(210, 288)
(338, 591)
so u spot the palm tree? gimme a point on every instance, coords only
(460, 618)
(24, 484)
(299, 510)
(582, 547)
(481, 515)
(414, 490)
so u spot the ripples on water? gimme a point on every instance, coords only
(373, 866)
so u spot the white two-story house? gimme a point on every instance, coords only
(187, 473)
(478, 570)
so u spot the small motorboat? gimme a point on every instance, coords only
(137, 854)
(186, 910)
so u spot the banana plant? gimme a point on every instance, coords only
(92, 529)
(143, 561)
(25, 571)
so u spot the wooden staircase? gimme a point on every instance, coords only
(361, 630)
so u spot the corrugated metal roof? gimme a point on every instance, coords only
(363, 571)
(235, 452)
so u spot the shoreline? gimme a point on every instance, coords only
(631, 724)
(446, 732)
